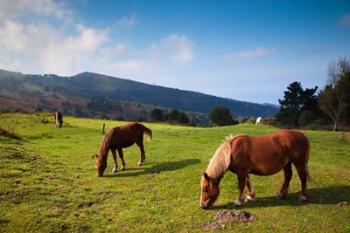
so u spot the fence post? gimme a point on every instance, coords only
(103, 129)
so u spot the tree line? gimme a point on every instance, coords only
(331, 105)
(174, 116)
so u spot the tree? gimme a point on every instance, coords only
(183, 118)
(174, 115)
(328, 103)
(334, 99)
(220, 116)
(296, 101)
(157, 115)
(100, 103)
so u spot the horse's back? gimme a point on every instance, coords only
(268, 154)
(295, 143)
(126, 135)
(292, 140)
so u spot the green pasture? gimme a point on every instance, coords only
(48, 182)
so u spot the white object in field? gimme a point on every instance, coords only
(258, 121)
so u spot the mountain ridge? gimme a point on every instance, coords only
(88, 85)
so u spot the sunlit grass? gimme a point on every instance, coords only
(48, 182)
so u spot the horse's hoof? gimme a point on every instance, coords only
(237, 203)
(302, 199)
(140, 163)
(123, 168)
(250, 198)
(114, 170)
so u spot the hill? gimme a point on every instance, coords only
(90, 94)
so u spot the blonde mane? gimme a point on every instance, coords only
(105, 145)
(220, 162)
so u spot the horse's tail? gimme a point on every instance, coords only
(146, 131)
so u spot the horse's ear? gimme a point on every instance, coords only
(206, 176)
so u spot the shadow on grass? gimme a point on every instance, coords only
(331, 195)
(156, 168)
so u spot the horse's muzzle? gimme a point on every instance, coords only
(204, 206)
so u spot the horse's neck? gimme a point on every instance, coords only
(220, 162)
(215, 171)
(103, 153)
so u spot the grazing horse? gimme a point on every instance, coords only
(264, 155)
(58, 119)
(118, 138)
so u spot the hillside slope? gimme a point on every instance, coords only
(82, 88)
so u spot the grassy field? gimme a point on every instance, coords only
(48, 181)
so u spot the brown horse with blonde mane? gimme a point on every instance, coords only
(118, 138)
(264, 155)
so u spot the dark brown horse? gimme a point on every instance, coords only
(118, 138)
(58, 119)
(264, 155)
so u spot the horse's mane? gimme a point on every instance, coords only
(105, 145)
(220, 162)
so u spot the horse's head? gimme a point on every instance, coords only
(100, 166)
(209, 191)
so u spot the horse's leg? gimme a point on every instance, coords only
(121, 156)
(142, 150)
(287, 177)
(251, 192)
(115, 168)
(241, 184)
(303, 178)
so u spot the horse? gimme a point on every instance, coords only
(118, 138)
(58, 119)
(262, 155)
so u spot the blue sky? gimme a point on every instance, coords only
(245, 50)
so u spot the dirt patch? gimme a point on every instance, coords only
(226, 216)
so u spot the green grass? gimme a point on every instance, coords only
(48, 182)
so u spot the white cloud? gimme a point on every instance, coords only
(12, 37)
(72, 54)
(345, 20)
(174, 47)
(49, 8)
(32, 42)
(48, 49)
(127, 21)
(249, 54)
